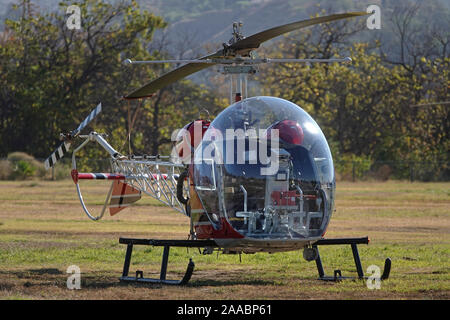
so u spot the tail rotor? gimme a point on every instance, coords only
(67, 138)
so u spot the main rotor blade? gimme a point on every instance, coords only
(172, 76)
(254, 41)
(241, 47)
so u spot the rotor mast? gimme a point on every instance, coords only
(238, 80)
(238, 74)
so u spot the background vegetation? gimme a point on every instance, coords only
(386, 113)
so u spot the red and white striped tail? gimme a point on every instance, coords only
(90, 176)
(110, 176)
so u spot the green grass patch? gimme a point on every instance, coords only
(41, 231)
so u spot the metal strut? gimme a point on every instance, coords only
(353, 242)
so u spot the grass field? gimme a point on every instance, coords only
(43, 231)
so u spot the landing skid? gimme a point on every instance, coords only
(165, 259)
(353, 242)
(210, 244)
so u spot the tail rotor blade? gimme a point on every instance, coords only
(88, 119)
(57, 154)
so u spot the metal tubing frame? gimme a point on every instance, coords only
(140, 174)
(145, 175)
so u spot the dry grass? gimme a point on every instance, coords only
(43, 231)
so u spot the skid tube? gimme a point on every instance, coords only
(353, 242)
(211, 244)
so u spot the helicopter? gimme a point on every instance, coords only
(258, 178)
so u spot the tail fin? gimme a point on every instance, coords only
(123, 195)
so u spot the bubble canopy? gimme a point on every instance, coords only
(265, 168)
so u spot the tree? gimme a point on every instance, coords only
(375, 107)
(52, 76)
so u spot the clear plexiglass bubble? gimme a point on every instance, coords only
(265, 167)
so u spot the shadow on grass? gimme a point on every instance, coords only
(217, 280)
(44, 271)
(94, 284)
(52, 276)
(221, 283)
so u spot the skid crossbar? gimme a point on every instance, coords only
(165, 259)
(353, 242)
